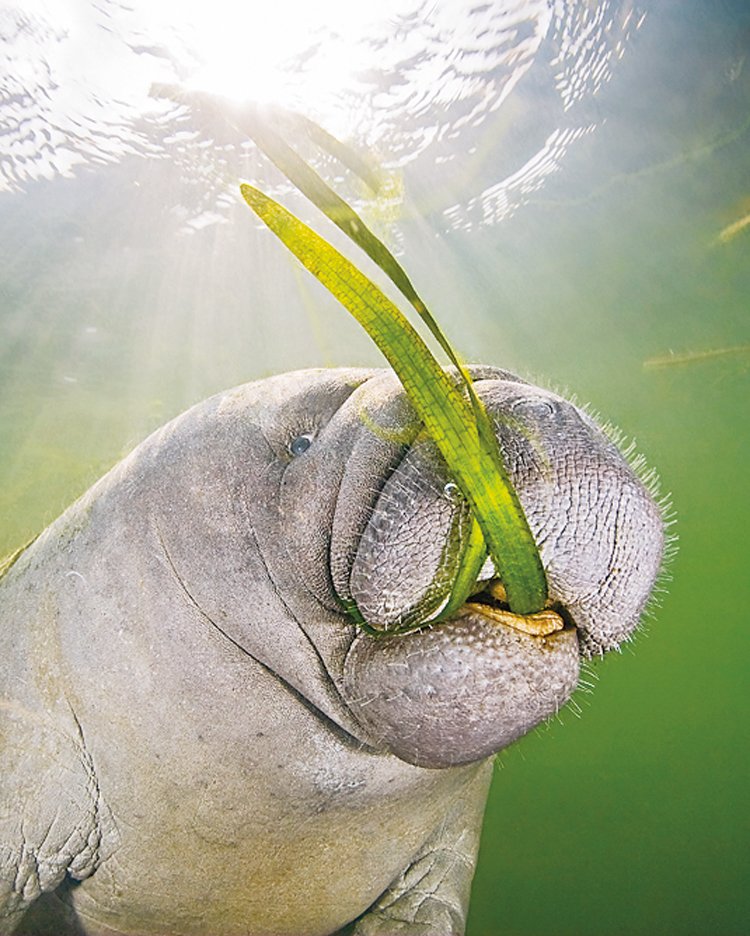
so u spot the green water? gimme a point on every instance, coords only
(633, 817)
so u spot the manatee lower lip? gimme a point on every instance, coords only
(460, 691)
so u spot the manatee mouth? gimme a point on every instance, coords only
(466, 687)
(490, 600)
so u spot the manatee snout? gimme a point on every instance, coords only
(460, 689)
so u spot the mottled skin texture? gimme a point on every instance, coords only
(194, 739)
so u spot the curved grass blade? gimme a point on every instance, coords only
(447, 415)
(252, 119)
(475, 552)
(326, 141)
(257, 124)
(307, 180)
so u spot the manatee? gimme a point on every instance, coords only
(196, 737)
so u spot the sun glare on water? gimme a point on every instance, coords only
(288, 52)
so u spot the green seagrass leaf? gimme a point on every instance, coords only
(459, 427)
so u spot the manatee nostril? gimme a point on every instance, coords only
(533, 406)
(300, 444)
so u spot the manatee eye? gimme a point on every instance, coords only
(300, 443)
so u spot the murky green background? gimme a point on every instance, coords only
(633, 817)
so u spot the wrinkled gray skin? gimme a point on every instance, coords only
(195, 739)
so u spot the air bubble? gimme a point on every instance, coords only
(452, 492)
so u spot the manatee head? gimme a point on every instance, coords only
(334, 499)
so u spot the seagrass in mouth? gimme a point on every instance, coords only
(491, 602)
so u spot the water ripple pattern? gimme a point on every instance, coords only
(438, 84)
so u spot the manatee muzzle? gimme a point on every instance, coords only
(455, 692)
(439, 689)
(600, 534)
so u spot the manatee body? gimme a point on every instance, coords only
(195, 738)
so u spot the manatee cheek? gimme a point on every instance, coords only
(459, 692)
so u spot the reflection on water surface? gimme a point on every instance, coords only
(407, 80)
